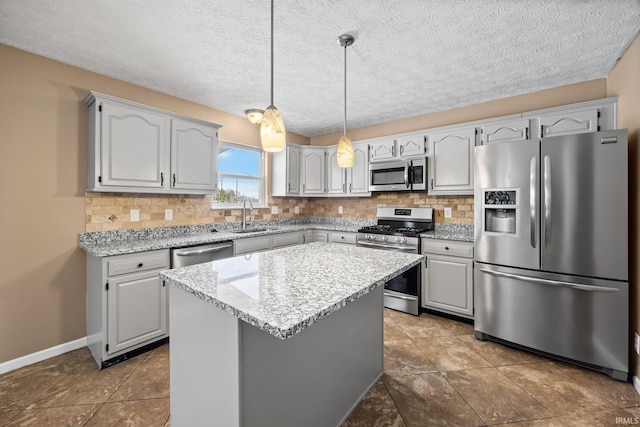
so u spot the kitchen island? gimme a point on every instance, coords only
(288, 337)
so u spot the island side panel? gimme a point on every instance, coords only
(316, 377)
(204, 363)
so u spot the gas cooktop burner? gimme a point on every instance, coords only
(393, 230)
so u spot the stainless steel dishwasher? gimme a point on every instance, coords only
(182, 257)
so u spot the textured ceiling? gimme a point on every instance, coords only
(410, 57)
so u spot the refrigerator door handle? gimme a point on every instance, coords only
(547, 201)
(533, 168)
(581, 286)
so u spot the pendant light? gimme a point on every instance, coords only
(345, 147)
(272, 132)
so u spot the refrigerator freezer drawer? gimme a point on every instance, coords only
(582, 319)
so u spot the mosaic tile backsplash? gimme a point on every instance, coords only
(110, 211)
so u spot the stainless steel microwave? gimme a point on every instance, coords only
(398, 175)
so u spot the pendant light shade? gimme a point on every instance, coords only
(345, 147)
(272, 132)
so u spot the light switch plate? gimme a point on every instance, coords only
(134, 215)
(168, 214)
(340, 210)
(447, 212)
(296, 210)
(274, 209)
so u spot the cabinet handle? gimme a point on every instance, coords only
(446, 248)
(401, 150)
(164, 283)
(393, 151)
(526, 133)
(161, 179)
(350, 187)
(174, 180)
(344, 190)
(140, 265)
(432, 183)
(289, 188)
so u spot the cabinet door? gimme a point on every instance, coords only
(293, 169)
(132, 147)
(512, 130)
(252, 244)
(137, 310)
(336, 176)
(451, 161)
(411, 146)
(313, 171)
(449, 284)
(194, 151)
(382, 150)
(358, 175)
(569, 123)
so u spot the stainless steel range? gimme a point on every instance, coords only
(398, 229)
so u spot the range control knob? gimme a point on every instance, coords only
(385, 238)
(402, 240)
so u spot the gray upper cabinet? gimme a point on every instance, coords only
(516, 129)
(336, 176)
(411, 146)
(382, 150)
(132, 148)
(451, 161)
(285, 175)
(194, 154)
(358, 175)
(568, 123)
(313, 170)
(137, 148)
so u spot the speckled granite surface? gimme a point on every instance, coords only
(118, 242)
(459, 232)
(286, 290)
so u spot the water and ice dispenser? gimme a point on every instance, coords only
(500, 211)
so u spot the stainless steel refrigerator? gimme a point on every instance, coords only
(551, 239)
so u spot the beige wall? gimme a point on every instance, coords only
(624, 82)
(43, 178)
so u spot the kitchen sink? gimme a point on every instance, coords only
(248, 230)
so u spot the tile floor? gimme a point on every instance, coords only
(436, 374)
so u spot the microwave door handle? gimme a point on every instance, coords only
(406, 174)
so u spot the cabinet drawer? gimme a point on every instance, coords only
(343, 238)
(447, 247)
(124, 264)
(287, 239)
(252, 244)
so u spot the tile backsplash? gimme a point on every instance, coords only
(110, 211)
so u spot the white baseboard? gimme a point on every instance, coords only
(42, 355)
(636, 383)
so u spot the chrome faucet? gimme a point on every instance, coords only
(244, 211)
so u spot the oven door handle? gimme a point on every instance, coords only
(377, 245)
(387, 294)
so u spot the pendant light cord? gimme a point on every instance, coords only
(345, 89)
(272, 52)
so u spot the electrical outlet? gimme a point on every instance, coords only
(296, 210)
(447, 212)
(274, 209)
(134, 215)
(340, 210)
(168, 214)
(636, 342)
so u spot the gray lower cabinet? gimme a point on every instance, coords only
(316, 236)
(448, 278)
(127, 305)
(265, 243)
(342, 237)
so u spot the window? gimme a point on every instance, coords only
(240, 175)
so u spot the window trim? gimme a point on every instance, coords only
(260, 178)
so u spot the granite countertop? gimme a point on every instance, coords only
(102, 244)
(459, 232)
(286, 290)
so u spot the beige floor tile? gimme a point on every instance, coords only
(162, 351)
(7, 414)
(150, 380)
(457, 328)
(392, 331)
(617, 417)
(622, 394)
(423, 326)
(559, 393)
(137, 413)
(450, 354)
(499, 354)
(494, 397)
(87, 384)
(61, 416)
(402, 357)
(20, 391)
(376, 410)
(429, 400)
